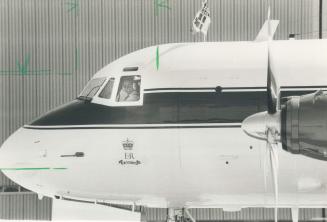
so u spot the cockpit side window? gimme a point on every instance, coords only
(91, 88)
(107, 90)
(129, 89)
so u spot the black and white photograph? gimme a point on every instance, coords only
(163, 110)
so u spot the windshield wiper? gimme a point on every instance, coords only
(87, 97)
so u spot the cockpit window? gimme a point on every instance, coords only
(91, 88)
(129, 89)
(107, 90)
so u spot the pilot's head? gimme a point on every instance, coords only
(128, 86)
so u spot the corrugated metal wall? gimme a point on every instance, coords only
(24, 206)
(50, 48)
(250, 214)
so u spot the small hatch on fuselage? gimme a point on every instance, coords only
(130, 69)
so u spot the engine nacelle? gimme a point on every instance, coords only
(304, 125)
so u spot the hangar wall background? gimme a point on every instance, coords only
(50, 48)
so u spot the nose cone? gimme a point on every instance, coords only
(5, 157)
(17, 158)
(8, 151)
(17, 152)
(255, 125)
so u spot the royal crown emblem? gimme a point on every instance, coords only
(128, 144)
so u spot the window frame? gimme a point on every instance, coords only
(112, 101)
(100, 88)
(105, 85)
(103, 101)
(129, 103)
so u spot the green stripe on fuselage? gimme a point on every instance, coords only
(35, 168)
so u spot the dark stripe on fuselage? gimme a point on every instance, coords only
(303, 87)
(163, 108)
(131, 127)
(284, 88)
(202, 88)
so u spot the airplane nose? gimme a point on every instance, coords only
(7, 156)
(15, 151)
(4, 157)
(18, 158)
(25, 160)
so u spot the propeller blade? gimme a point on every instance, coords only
(274, 163)
(265, 168)
(273, 90)
(269, 24)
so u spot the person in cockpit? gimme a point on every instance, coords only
(129, 91)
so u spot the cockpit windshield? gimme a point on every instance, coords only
(91, 88)
(107, 90)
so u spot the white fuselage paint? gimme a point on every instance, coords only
(180, 167)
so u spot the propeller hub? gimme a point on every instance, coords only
(259, 124)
